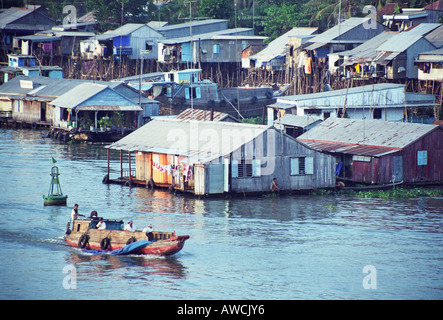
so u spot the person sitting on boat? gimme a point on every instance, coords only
(130, 226)
(101, 225)
(93, 214)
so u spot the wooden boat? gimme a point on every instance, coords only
(85, 235)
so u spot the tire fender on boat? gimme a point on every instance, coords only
(83, 241)
(105, 243)
(131, 240)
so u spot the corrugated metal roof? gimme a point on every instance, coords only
(364, 137)
(369, 48)
(200, 140)
(236, 33)
(186, 25)
(399, 42)
(337, 30)
(370, 151)
(204, 115)
(327, 98)
(10, 15)
(54, 87)
(296, 121)
(50, 88)
(403, 40)
(124, 30)
(278, 47)
(80, 96)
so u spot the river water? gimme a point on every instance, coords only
(289, 247)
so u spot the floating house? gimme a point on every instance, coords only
(26, 99)
(29, 100)
(382, 101)
(380, 152)
(88, 103)
(215, 157)
(182, 89)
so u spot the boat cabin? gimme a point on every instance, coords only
(84, 225)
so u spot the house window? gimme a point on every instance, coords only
(18, 105)
(377, 113)
(196, 93)
(148, 46)
(301, 165)
(326, 115)
(216, 48)
(246, 168)
(422, 158)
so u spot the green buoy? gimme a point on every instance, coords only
(55, 195)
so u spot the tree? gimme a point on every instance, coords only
(113, 13)
(280, 19)
(216, 9)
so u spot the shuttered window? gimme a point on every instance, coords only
(246, 168)
(302, 165)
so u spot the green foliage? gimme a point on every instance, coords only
(270, 18)
(280, 19)
(216, 9)
(253, 120)
(400, 193)
(109, 13)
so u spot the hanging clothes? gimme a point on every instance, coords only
(308, 68)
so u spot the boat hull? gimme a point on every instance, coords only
(164, 243)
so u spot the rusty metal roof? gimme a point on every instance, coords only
(205, 115)
(364, 137)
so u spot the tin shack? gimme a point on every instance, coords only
(214, 157)
(381, 152)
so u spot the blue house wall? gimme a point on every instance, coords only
(108, 97)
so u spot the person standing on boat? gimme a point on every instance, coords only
(75, 214)
(101, 225)
(130, 226)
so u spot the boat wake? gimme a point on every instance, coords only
(27, 239)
